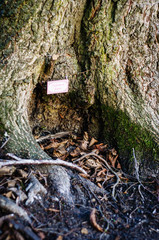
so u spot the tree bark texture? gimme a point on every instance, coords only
(109, 51)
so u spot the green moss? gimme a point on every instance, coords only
(125, 135)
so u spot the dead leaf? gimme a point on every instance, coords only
(8, 194)
(93, 163)
(75, 152)
(99, 185)
(23, 173)
(84, 145)
(84, 231)
(113, 152)
(61, 150)
(83, 175)
(42, 147)
(11, 183)
(85, 136)
(92, 142)
(41, 235)
(109, 176)
(112, 159)
(59, 238)
(99, 179)
(94, 222)
(101, 147)
(60, 153)
(52, 145)
(7, 170)
(118, 166)
(102, 172)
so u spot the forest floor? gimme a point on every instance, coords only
(125, 207)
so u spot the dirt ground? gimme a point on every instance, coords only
(130, 212)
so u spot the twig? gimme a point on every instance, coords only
(20, 161)
(108, 222)
(107, 165)
(5, 142)
(139, 189)
(56, 135)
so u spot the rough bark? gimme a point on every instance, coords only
(108, 50)
(33, 31)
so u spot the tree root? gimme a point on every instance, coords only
(60, 182)
(106, 164)
(20, 161)
(34, 188)
(10, 206)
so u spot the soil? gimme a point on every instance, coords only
(132, 213)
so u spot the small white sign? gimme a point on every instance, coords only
(58, 86)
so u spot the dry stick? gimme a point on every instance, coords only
(20, 161)
(56, 135)
(107, 165)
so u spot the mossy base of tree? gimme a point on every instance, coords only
(125, 135)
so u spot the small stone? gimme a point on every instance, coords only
(84, 231)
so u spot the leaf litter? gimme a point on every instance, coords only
(126, 208)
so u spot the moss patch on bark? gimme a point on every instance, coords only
(120, 131)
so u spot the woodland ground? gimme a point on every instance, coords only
(132, 212)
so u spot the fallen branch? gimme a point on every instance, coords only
(107, 165)
(20, 161)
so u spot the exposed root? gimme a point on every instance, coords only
(61, 183)
(92, 187)
(34, 189)
(2, 219)
(10, 206)
(20, 161)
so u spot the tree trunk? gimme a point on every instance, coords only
(107, 49)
